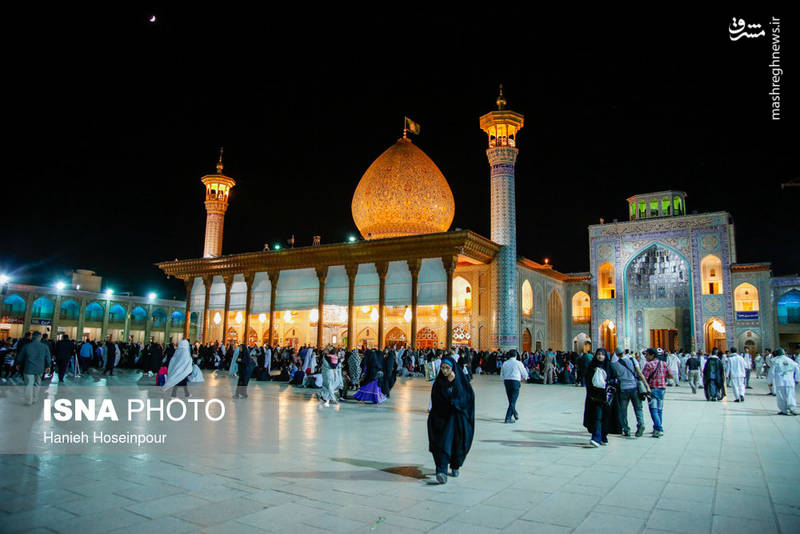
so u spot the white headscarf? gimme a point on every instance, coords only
(180, 366)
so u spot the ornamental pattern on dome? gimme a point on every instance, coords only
(402, 193)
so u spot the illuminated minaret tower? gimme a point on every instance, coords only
(502, 127)
(218, 187)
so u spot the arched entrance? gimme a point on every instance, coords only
(252, 337)
(232, 337)
(554, 337)
(526, 340)
(395, 336)
(461, 336)
(608, 335)
(581, 343)
(366, 338)
(715, 335)
(427, 339)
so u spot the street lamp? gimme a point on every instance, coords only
(109, 292)
(351, 239)
(60, 285)
(151, 296)
(4, 279)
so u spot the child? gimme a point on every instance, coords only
(162, 376)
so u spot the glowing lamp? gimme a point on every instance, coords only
(407, 315)
(217, 318)
(239, 317)
(276, 246)
(4, 279)
(611, 325)
(365, 309)
(60, 285)
(351, 239)
(109, 292)
(718, 326)
(262, 318)
(313, 316)
(151, 296)
(373, 315)
(443, 313)
(287, 316)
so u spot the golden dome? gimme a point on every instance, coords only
(402, 193)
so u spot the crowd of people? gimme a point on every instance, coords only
(612, 382)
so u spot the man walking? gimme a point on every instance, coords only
(512, 373)
(33, 360)
(656, 373)
(737, 373)
(629, 374)
(693, 366)
(784, 374)
(65, 349)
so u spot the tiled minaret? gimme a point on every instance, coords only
(502, 127)
(218, 187)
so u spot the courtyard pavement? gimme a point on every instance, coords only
(720, 467)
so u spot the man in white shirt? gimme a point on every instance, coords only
(748, 365)
(512, 373)
(737, 371)
(784, 374)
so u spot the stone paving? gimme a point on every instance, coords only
(720, 467)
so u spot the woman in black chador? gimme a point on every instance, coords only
(599, 417)
(451, 419)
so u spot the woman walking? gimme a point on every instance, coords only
(597, 412)
(330, 362)
(246, 364)
(451, 419)
(180, 367)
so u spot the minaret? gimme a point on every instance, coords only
(218, 187)
(502, 126)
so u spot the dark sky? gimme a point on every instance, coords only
(114, 121)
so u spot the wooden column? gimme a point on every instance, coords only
(449, 263)
(352, 271)
(273, 292)
(248, 279)
(189, 283)
(228, 279)
(382, 268)
(207, 281)
(413, 267)
(322, 275)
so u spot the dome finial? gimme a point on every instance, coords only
(501, 101)
(219, 163)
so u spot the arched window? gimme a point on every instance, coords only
(789, 308)
(642, 209)
(654, 208)
(715, 335)
(69, 311)
(159, 318)
(677, 206)
(177, 319)
(711, 268)
(581, 307)
(138, 315)
(665, 206)
(94, 312)
(42, 308)
(462, 296)
(527, 299)
(554, 321)
(606, 282)
(116, 314)
(746, 298)
(14, 306)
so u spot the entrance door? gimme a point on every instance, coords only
(665, 338)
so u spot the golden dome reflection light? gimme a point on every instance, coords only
(402, 193)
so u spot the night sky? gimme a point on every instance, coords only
(113, 121)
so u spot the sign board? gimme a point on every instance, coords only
(747, 316)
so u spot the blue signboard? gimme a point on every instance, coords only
(747, 316)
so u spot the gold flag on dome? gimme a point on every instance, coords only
(412, 126)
